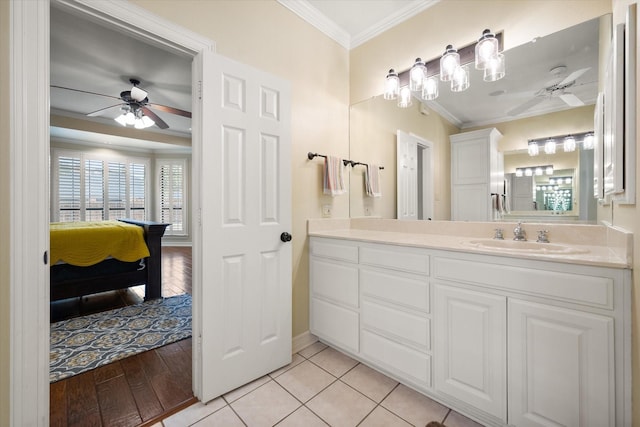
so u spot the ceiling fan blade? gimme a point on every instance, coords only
(153, 116)
(525, 106)
(571, 100)
(97, 112)
(171, 110)
(574, 76)
(85, 91)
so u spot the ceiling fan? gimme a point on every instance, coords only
(555, 90)
(135, 102)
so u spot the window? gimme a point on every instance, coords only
(172, 190)
(86, 187)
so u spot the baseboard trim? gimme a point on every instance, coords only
(302, 341)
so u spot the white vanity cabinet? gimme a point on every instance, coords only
(505, 341)
(477, 172)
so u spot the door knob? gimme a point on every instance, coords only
(285, 237)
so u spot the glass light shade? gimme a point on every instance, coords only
(417, 75)
(549, 170)
(139, 124)
(567, 180)
(460, 79)
(519, 172)
(404, 99)
(448, 63)
(569, 144)
(552, 181)
(528, 172)
(588, 142)
(538, 171)
(486, 49)
(122, 119)
(391, 85)
(494, 69)
(430, 89)
(130, 118)
(555, 187)
(533, 148)
(550, 147)
(147, 122)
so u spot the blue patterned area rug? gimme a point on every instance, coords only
(85, 343)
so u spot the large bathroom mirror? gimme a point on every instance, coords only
(529, 103)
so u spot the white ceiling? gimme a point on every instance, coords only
(91, 58)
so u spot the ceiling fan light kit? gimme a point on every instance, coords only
(420, 80)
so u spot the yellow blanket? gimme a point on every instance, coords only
(88, 243)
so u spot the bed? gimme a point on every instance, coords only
(87, 258)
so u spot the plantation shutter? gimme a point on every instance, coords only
(94, 190)
(172, 189)
(137, 192)
(117, 190)
(69, 200)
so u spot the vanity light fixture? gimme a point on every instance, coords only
(417, 75)
(430, 88)
(449, 62)
(486, 50)
(452, 66)
(550, 146)
(391, 85)
(588, 141)
(404, 99)
(569, 144)
(534, 170)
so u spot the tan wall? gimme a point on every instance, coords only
(373, 126)
(4, 215)
(460, 22)
(266, 35)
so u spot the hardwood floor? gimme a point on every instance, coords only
(141, 389)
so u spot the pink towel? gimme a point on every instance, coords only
(372, 181)
(333, 180)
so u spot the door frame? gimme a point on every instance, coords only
(29, 188)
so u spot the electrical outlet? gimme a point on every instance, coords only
(367, 211)
(326, 211)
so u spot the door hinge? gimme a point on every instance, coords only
(199, 89)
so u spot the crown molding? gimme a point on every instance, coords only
(314, 17)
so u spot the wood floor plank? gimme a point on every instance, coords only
(148, 404)
(107, 372)
(179, 363)
(117, 405)
(58, 404)
(82, 402)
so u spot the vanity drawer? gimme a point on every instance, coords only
(336, 324)
(409, 328)
(571, 287)
(336, 249)
(407, 290)
(412, 260)
(334, 281)
(405, 362)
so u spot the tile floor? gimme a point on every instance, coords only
(320, 387)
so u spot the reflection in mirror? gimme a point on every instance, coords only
(536, 108)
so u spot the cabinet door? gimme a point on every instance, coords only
(469, 347)
(561, 368)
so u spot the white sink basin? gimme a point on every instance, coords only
(525, 247)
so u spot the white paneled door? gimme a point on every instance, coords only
(245, 220)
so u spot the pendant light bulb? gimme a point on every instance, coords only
(391, 85)
(486, 49)
(430, 89)
(448, 63)
(417, 75)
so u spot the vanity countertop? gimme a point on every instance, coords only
(594, 245)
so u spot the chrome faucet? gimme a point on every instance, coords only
(498, 235)
(543, 237)
(519, 234)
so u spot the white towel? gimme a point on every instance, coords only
(333, 179)
(372, 181)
